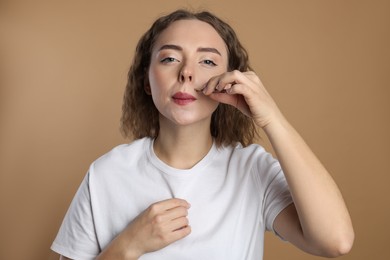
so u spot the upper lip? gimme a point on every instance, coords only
(182, 95)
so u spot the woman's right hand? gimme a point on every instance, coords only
(161, 224)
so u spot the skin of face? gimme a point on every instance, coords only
(185, 56)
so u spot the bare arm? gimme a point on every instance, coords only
(318, 221)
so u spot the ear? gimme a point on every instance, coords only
(147, 90)
(147, 87)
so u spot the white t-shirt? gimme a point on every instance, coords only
(235, 194)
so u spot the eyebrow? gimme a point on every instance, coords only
(178, 48)
(213, 50)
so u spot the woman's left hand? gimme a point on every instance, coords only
(245, 91)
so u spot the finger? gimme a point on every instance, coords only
(177, 212)
(178, 223)
(226, 80)
(180, 233)
(240, 89)
(253, 77)
(171, 214)
(169, 204)
(176, 202)
(170, 225)
(172, 234)
(211, 86)
(224, 98)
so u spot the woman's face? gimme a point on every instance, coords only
(185, 56)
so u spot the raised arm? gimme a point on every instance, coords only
(318, 222)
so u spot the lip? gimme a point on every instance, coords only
(182, 98)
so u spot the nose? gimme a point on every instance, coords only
(186, 74)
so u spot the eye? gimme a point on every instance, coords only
(209, 62)
(168, 60)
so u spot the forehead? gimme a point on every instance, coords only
(188, 33)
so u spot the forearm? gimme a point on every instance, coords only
(322, 213)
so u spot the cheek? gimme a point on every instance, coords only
(156, 84)
(153, 77)
(158, 80)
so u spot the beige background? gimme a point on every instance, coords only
(63, 68)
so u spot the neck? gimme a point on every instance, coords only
(182, 147)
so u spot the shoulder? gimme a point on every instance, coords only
(254, 159)
(122, 155)
(250, 153)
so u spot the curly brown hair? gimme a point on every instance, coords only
(140, 117)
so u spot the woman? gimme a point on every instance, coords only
(192, 185)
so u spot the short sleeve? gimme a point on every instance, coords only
(276, 195)
(76, 238)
